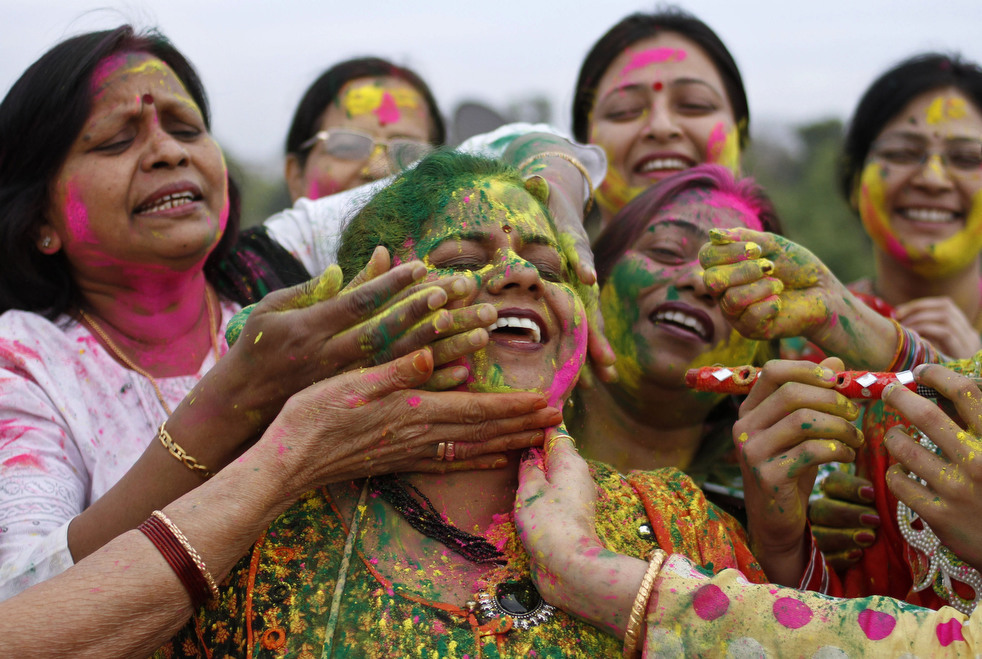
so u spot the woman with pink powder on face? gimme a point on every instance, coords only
(361, 120)
(659, 93)
(118, 393)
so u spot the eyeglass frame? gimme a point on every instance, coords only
(324, 135)
(943, 155)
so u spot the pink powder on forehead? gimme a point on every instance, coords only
(106, 68)
(653, 56)
(387, 111)
(749, 211)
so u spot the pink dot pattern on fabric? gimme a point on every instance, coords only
(949, 632)
(876, 624)
(792, 613)
(710, 602)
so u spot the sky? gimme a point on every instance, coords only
(800, 61)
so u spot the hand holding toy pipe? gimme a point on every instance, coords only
(864, 385)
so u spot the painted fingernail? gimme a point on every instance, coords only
(867, 493)
(486, 313)
(766, 266)
(869, 519)
(459, 286)
(864, 538)
(420, 363)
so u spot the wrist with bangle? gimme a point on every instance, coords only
(632, 632)
(181, 556)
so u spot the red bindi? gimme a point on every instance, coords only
(506, 229)
(148, 99)
(658, 86)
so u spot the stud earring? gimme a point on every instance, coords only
(46, 243)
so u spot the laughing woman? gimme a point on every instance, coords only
(662, 320)
(411, 565)
(660, 93)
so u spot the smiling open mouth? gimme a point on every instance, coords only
(517, 329)
(688, 322)
(662, 164)
(930, 215)
(166, 202)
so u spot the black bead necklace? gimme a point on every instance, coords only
(423, 516)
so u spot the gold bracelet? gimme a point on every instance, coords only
(633, 629)
(571, 160)
(195, 556)
(901, 341)
(178, 452)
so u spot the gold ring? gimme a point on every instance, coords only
(451, 452)
(441, 451)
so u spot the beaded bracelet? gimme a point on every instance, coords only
(633, 629)
(186, 563)
(571, 160)
(178, 452)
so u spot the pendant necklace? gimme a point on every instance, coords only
(518, 599)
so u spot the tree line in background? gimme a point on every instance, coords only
(800, 180)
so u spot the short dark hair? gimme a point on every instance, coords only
(40, 118)
(630, 222)
(324, 90)
(890, 93)
(639, 26)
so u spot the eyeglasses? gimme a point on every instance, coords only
(353, 145)
(959, 156)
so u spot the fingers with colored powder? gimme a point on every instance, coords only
(952, 474)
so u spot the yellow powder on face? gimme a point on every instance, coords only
(368, 98)
(945, 108)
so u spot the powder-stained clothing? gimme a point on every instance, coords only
(73, 420)
(694, 614)
(276, 602)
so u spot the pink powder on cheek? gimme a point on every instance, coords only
(387, 111)
(653, 56)
(77, 215)
(569, 371)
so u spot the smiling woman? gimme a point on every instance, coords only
(660, 93)
(912, 168)
(433, 566)
(661, 320)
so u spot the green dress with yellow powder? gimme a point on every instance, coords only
(276, 602)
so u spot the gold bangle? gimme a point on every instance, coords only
(571, 160)
(178, 452)
(195, 556)
(633, 629)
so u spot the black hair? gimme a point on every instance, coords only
(639, 26)
(40, 118)
(890, 93)
(307, 118)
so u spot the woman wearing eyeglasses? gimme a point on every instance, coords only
(361, 120)
(912, 168)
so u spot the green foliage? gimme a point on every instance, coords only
(802, 185)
